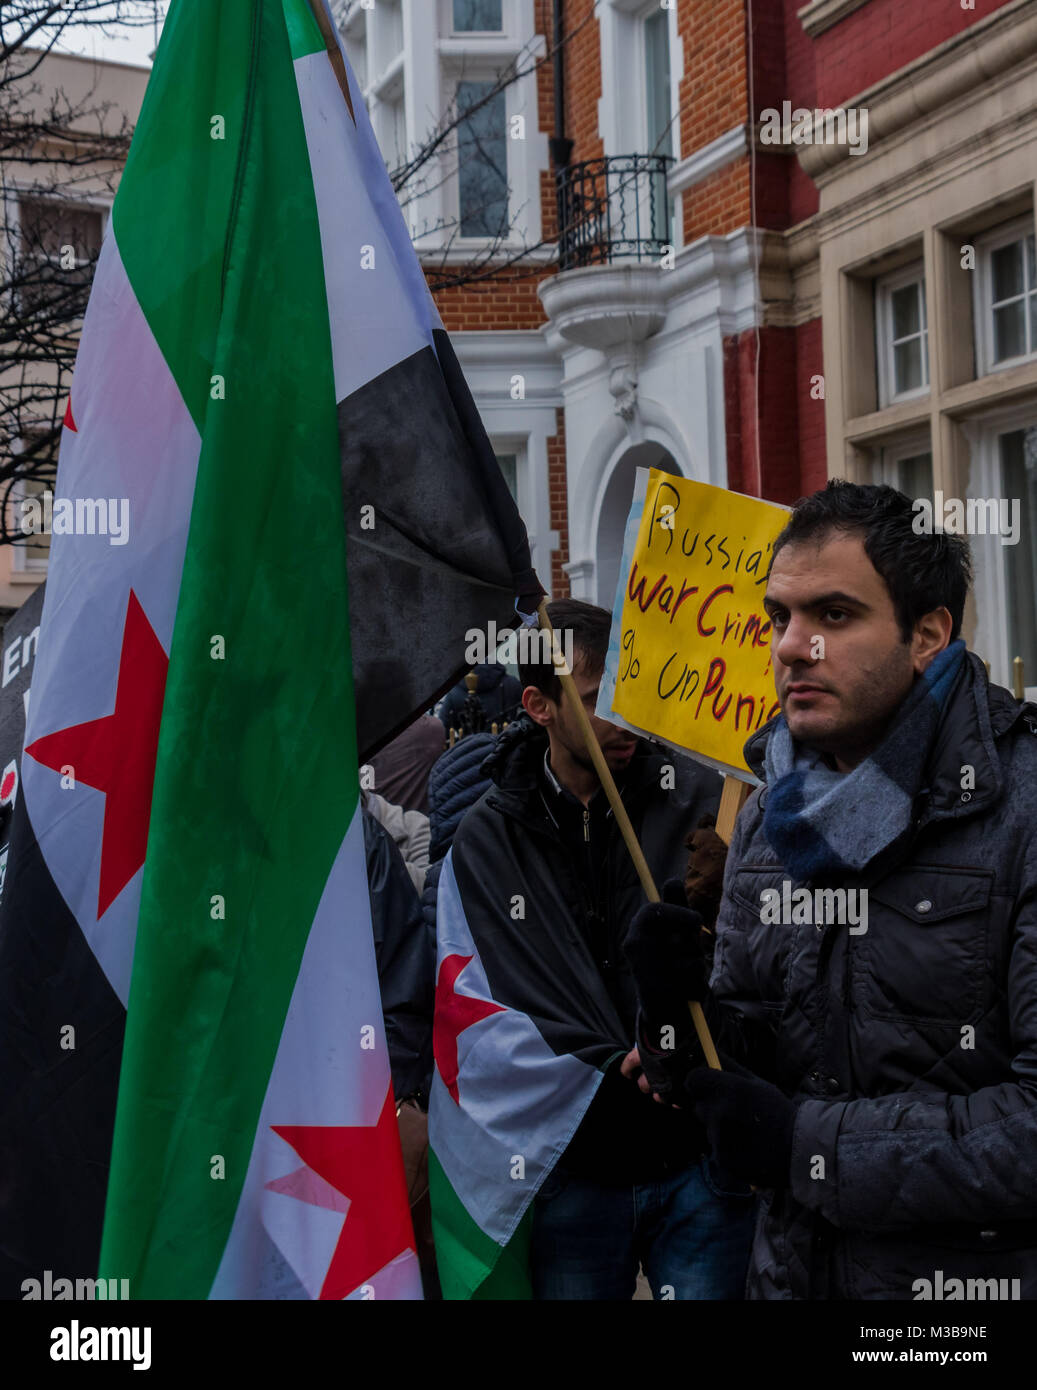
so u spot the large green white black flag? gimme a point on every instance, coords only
(262, 371)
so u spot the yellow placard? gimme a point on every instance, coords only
(689, 658)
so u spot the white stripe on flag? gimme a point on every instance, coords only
(518, 1098)
(136, 443)
(380, 307)
(281, 1246)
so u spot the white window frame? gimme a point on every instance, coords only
(446, 22)
(983, 288)
(517, 444)
(989, 588)
(511, 24)
(352, 25)
(526, 158)
(623, 107)
(452, 77)
(884, 289)
(888, 456)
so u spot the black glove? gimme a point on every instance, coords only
(749, 1124)
(664, 948)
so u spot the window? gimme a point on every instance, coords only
(1017, 450)
(59, 245)
(31, 555)
(37, 457)
(658, 113)
(482, 150)
(907, 466)
(1007, 286)
(902, 336)
(397, 128)
(658, 94)
(1004, 546)
(1014, 299)
(478, 17)
(509, 467)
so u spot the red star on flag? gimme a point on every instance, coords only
(116, 754)
(364, 1164)
(454, 1013)
(69, 420)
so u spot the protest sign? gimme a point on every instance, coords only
(689, 656)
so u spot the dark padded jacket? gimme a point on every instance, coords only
(913, 1045)
(499, 695)
(406, 960)
(455, 784)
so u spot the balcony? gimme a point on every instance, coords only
(614, 209)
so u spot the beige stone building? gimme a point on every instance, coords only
(65, 217)
(929, 306)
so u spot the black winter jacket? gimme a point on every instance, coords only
(455, 784)
(406, 960)
(912, 1046)
(563, 964)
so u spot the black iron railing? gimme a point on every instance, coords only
(613, 209)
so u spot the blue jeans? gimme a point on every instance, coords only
(691, 1233)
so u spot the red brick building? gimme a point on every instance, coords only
(755, 242)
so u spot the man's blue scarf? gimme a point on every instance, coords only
(821, 822)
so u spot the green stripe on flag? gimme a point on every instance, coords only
(256, 780)
(471, 1265)
(171, 214)
(303, 32)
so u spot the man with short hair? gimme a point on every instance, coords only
(880, 1077)
(621, 1181)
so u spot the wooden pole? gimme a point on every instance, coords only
(604, 772)
(732, 800)
(327, 33)
(1018, 679)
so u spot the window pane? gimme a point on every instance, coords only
(483, 161)
(58, 247)
(907, 366)
(657, 83)
(915, 475)
(509, 467)
(1009, 331)
(1007, 265)
(36, 552)
(51, 227)
(1031, 268)
(477, 16)
(905, 311)
(1019, 484)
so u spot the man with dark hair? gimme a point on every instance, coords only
(621, 1181)
(874, 990)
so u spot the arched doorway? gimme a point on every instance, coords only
(615, 507)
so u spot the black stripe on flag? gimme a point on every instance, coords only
(444, 550)
(57, 1103)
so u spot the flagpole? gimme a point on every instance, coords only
(327, 33)
(604, 772)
